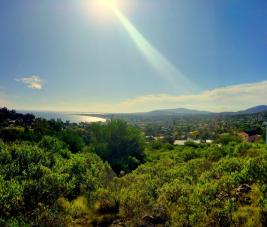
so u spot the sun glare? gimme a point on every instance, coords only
(108, 10)
(102, 10)
(109, 4)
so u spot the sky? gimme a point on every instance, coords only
(133, 55)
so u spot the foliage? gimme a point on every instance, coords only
(33, 177)
(196, 187)
(118, 143)
(57, 174)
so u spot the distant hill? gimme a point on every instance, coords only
(176, 111)
(252, 110)
(184, 111)
(163, 113)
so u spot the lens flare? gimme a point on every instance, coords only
(104, 10)
(165, 69)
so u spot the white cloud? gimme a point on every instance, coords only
(229, 98)
(33, 82)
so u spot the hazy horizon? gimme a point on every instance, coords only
(151, 110)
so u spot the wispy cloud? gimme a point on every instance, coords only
(230, 98)
(33, 82)
(219, 99)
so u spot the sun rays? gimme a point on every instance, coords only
(166, 70)
(162, 66)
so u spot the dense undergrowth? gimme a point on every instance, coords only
(205, 186)
(209, 185)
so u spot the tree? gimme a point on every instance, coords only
(73, 140)
(120, 144)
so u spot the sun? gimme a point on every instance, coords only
(102, 10)
(107, 3)
(104, 4)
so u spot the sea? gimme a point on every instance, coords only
(65, 116)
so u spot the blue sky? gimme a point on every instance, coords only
(60, 55)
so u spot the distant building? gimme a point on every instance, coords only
(209, 141)
(182, 142)
(179, 142)
(250, 136)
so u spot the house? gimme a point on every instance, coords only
(209, 141)
(182, 142)
(179, 142)
(250, 136)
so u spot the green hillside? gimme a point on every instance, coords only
(106, 174)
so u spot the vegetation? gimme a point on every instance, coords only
(117, 142)
(104, 174)
(202, 126)
(33, 177)
(204, 186)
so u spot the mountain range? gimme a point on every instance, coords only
(176, 111)
(180, 111)
(184, 111)
(255, 109)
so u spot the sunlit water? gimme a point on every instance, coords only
(72, 118)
